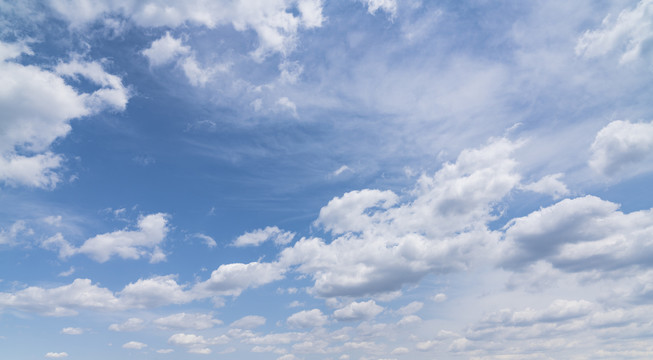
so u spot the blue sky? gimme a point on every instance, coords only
(355, 179)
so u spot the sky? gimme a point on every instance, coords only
(313, 179)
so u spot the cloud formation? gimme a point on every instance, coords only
(623, 149)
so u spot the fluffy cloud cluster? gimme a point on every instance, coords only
(127, 244)
(37, 108)
(274, 21)
(382, 243)
(156, 291)
(555, 329)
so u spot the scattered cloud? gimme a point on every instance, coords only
(389, 6)
(186, 321)
(248, 322)
(126, 244)
(164, 50)
(629, 34)
(208, 241)
(622, 149)
(38, 106)
(307, 319)
(134, 345)
(72, 331)
(358, 311)
(56, 355)
(581, 234)
(131, 324)
(270, 233)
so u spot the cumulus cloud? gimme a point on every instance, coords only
(65, 300)
(164, 50)
(197, 344)
(56, 355)
(358, 311)
(274, 23)
(307, 319)
(382, 243)
(37, 108)
(623, 148)
(134, 345)
(72, 331)
(549, 185)
(126, 244)
(185, 321)
(580, 234)
(248, 322)
(628, 34)
(232, 279)
(270, 233)
(153, 292)
(111, 95)
(131, 324)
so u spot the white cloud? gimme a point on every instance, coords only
(270, 233)
(197, 344)
(165, 50)
(72, 331)
(409, 319)
(286, 104)
(153, 292)
(208, 241)
(411, 308)
(623, 148)
(56, 355)
(37, 108)
(580, 234)
(426, 345)
(307, 319)
(549, 185)
(559, 310)
(384, 243)
(232, 279)
(16, 229)
(341, 170)
(628, 34)
(277, 28)
(350, 211)
(131, 324)
(165, 351)
(127, 244)
(358, 311)
(389, 6)
(112, 94)
(440, 297)
(311, 11)
(197, 75)
(248, 322)
(185, 321)
(134, 345)
(400, 351)
(65, 300)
